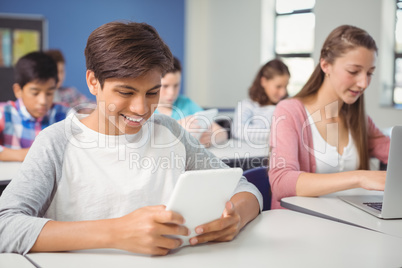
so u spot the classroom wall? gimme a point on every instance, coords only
(71, 22)
(222, 49)
(228, 40)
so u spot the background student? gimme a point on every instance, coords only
(252, 117)
(321, 139)
(182, 108)
(84, 185)
(34, 110)
(68, 96)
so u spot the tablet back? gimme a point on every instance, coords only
(200, 195)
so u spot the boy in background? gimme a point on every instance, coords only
(68, 96)
(34, 110)
(92, 189)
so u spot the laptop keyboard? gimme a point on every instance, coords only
(375, 205)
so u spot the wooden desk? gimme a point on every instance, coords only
(277, 238)
(238, 153)
(331, 207)
(14, 260)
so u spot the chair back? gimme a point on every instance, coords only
(259, 177)
(225, 123)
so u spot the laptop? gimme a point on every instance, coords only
(388, 206)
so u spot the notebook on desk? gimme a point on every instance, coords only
(387, 206)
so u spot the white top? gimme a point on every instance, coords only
(327, 158)
(125, 168)
(252, 122)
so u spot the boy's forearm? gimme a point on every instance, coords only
(65, 236)
(17, 155)
(247, 206)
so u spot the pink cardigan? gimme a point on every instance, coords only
(292, 153)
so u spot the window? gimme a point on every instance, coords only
(398, 56)
(294, 39)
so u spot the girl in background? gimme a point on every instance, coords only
(321, 140)
(182, 108)
(252, 118)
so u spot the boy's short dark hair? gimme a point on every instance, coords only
(35, 66)
(56, 55)
(176, 66)
(126, 50)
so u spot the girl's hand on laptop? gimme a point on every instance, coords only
(372, 179)
(144, 231)
(224, 229)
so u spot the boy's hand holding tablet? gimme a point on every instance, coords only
(223, 229)
(144, 230)
(198, 211)
(202, 198)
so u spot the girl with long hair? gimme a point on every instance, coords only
(252, 117)
(321, 140)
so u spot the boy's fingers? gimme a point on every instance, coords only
(221, 223)
(205, 238)
(166, 216)
(169, 243)
(215, 226)
(222, 235)
(229, 209)
(173, 229)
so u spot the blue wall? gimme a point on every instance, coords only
(70, 23)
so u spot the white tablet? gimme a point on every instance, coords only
(204, 120)
(200, 196)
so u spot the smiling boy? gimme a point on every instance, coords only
(22, 120)
(79, 188)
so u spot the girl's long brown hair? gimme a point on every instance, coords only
(268, 70)
(340, 41)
